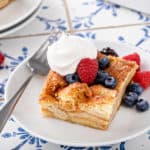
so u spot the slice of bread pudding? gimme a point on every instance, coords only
(93, 106)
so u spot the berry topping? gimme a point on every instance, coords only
(110, 82)
(101, 76)
(143, 78)
(71, 78)
(1, 58)
(135, 87)
(109, 51)
(142, 105)
(87, 70)
(133, 57)
(103, 63)
(130, 99)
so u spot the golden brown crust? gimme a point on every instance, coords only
(53, 82)
(97, 102)
(72, 95)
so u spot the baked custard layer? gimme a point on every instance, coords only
(93, 106)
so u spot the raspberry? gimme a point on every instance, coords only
(143, 78)
(1, 58)
(133, 57)
(87, 70)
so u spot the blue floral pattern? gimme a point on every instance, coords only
(45, 7)
(51, 24)
(15, 61)
(148, 134)
(105, 148)
(121, 38)
(87, 21)
(2, 86)
(142, 17)
(1, 103)
(76, 148)
(24, 137)
(89, 35)
(146, 36)
(121, 147)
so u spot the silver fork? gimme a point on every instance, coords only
(37, 64)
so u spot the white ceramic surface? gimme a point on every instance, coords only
(99, 14)
(17, 11)
(127, 124)
(21, 24)
(136, 5)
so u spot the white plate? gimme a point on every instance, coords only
(17, 11)
(127, 124)
(20, 25)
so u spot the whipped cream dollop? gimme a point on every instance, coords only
(65, 55)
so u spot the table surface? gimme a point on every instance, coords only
(94, 19)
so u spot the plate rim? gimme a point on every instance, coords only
(83, 144)
(21, 25)
(9, 25)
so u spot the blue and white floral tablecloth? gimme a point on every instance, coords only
(94, 19)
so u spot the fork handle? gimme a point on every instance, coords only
(8, 107)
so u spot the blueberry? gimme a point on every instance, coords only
(135, 87)
(130, 99)
(103, 63)
(71, 78)
(142, 105)
(101, 76)
(110, 82)
(109, 51)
